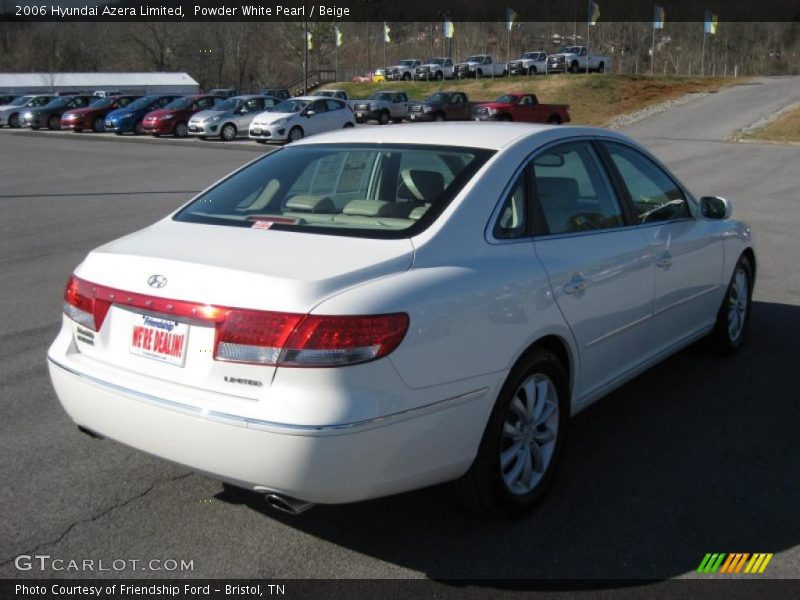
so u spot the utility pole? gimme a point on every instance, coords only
(305, 55)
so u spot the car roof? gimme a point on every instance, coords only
(491, 136)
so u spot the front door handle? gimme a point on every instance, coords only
(578, 284)
(665, 261)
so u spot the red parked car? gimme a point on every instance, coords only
(94, 116)
(173, 119)
(521, 107)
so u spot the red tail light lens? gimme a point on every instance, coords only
(324, 341)
(254, 336)
(81, 306)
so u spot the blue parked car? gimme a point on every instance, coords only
(129, 118)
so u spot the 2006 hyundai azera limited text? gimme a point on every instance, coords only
(365, 313)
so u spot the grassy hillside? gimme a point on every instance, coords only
(594, 99)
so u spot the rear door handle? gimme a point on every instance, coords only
(665, 261)
(578, 284)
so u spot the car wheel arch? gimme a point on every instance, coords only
(558, 345)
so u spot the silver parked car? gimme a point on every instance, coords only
(230, 118)
(11, 115)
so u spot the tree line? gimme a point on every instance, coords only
(249, 55)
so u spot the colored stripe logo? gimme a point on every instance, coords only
(733, 563)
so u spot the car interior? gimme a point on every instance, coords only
(358, 188)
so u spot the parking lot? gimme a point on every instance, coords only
(697, 455)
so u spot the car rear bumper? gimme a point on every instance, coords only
(336, 463)
(419, 116)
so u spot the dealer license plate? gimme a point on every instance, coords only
(159, 339)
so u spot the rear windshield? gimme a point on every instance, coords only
(359, 190)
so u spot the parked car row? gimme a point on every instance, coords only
(263, 118)
(569, 59)
(393, 106)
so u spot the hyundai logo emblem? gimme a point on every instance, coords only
(157, 281)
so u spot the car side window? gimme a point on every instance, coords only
(333, 105)
(655, 196)
(318, 106)
(512, 221)
(573, 192)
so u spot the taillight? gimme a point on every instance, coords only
(321, 341)
(81, 306)
(291, 340)
(254, 336)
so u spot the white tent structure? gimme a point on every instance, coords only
(134, 83)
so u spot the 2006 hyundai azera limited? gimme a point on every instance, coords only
(366, 313)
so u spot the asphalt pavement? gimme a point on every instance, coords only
(698, 455)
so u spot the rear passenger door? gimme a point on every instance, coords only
(600, 270)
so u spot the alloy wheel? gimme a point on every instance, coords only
(529, 435)
(737, 304)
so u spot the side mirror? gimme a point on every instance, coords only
(714, 207)
(309, 113)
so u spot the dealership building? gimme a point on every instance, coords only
(132, 83)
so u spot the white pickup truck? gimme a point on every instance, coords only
(436, 69)
(480, 65)
(575, 59)
(529, 63)
(402, 71)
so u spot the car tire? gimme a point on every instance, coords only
(383, 118)
(574, 68)
(76, 130)
(138, 128)
(532, 70)
(733, 317)
(406, 76)
(54, 123)
(523, 441)
(228, 132)
(439, 76)
(181, 130)
(554, 120)
(13, 121)
(601, 68)
(261, 141)
(440, 117)
(361, 121)
(295, 134)
(505, 118)
(98, 125)
(117, 133)
(348, 125)
(478, 74)
(35, 127)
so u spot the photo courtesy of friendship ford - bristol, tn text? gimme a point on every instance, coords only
(301, 298)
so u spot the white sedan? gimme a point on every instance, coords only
(367, 313)
(300, 117)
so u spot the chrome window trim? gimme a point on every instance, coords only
(489, 229)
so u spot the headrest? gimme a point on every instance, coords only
(376, 208)
(312, 204)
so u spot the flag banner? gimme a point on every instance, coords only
(310, 41)
(511, 16)
(711, 23)
(386, 31)
(337, 36)
(658, 18)
(594, 12)
(449, 29)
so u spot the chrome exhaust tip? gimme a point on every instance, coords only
(293, 506)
